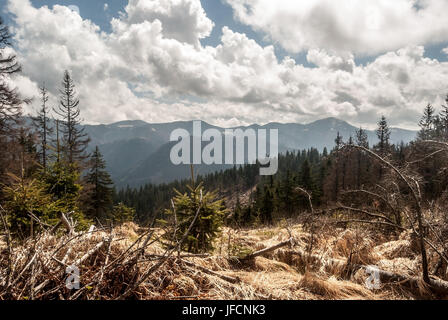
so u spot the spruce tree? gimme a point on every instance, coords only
(383, 134)
(42, 124)
(101, 187)
(10, 100)
(286, 190)
(209, 214)
(305, 176)
(338, 142)
(267, 205)
(362, 140)
(427, 124)
(444, 121)
(75, 140)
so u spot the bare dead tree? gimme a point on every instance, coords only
(413, 188)
(10, 100)
(42, 124)
(74, 138)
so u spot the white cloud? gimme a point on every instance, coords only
(141, 71)
(322, 59)
(358, 26)
(183, 20)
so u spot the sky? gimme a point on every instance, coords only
(235, 62)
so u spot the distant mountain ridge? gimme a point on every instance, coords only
(137, 152)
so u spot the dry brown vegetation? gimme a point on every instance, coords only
(129, 262)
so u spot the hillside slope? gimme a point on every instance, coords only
(137, 152)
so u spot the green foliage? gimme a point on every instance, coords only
(383, 133)
(100, 199)
(44, 197)
(60, 181)
(121, 214)
(267, 206)
(207, 225)
(239, 251)
(427, 124)
(23, 199)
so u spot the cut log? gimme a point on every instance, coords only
(267, 250)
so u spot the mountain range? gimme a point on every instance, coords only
(138, 152)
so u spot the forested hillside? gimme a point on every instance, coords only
(137, 153)
(326, 175)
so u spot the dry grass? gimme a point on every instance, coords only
(277, 275)
(333, 288)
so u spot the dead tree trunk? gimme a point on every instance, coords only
(410, 184)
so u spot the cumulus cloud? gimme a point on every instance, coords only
(152, 69)
(362, 26)
(321, 59)
(183, 20)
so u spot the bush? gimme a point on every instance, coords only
(52, 192)
(61, 184)
(23, 199)
(121, 214)
(207, 225)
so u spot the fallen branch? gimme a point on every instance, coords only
(270, 249)
(89, 253)
(66, 223)
(414, 189)
(370, 214)
(413, 283)
(211, 272)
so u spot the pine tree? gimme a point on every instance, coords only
(338, 145)
(267, 206)
(427, 127)
(61, 184)
(305, 176)
(23, 199)
(10, 100)
(350, 141)
(338, 142)
(122, 213)
(362, 140)
(102, 190)
(286, 190)
(443, 117)
(75, 141)
(383, 134)
(41, 123)
(28, 151)
(206, 227)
